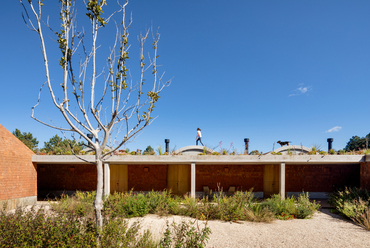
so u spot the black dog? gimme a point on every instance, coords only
(283, 143)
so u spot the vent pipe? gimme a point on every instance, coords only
(167, 141)
(330, 141)
(246, 146)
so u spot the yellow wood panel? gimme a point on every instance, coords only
(118, 178)
(172, 175)
(178, 178)
(271, 180)
(183, 179)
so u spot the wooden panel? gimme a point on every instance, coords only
(172, 178)
(183, 179)
(118, 178)
(178, 178)
(271, 180)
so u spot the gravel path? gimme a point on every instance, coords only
(324, 229)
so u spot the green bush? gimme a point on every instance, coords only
(353, 203)
(304, 207)
(37, 228)
(350, 201)
(291, 207)
(186, 235)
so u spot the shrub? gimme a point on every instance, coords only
(185, 234)
(37, 228)
(291, 207)
(353, 203)
(304, 207)
(363, 219)
(283, 209)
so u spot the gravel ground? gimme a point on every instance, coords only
(324, 229)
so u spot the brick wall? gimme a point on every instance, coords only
(62, 177)
(244, 177)
(365, 175)
(152, 178)
(321, 178)
(18, 176)
(311, 177)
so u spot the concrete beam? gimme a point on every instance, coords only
(282, 180)
(192, 191)
(205, 159)
(106, 179)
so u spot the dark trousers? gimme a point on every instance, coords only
(199, 139)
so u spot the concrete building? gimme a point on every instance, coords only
(24, 176)
(190, 173)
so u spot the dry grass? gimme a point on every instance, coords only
(363, 219)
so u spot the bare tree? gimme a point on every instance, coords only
(110, 106)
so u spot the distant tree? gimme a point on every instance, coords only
(149, 151)
(27, 139)
(58, 145)
(355, 143)
(105, 102)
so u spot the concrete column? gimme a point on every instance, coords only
(192, 191)
(106, 179)
(282, 180)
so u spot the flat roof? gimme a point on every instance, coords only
(205, 159)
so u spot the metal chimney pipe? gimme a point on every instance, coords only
(167, 141)
(246, 146)
(330, 141)
(90, 136)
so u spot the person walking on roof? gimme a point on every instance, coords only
(199, 137)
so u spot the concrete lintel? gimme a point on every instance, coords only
(205, 159)
(192, 189)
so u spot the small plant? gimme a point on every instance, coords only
(323, 153)
(215, 153)
(185, 234)
(255, 152)
(289, 152)
(331, 151)
(341, 152)
(159, 150)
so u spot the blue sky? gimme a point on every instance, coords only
(263, 70)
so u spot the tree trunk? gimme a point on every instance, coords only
(98, 204)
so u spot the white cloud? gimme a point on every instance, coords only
(334, 129)
(301, 90)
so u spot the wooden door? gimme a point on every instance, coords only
(118, 178)
(178, 178)
(271, 180)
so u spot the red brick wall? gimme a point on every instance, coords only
(312, 178)
(154, 179)
(321, 178)
(18, 176)
(244, 177)
(66, 177)
(365, 175)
